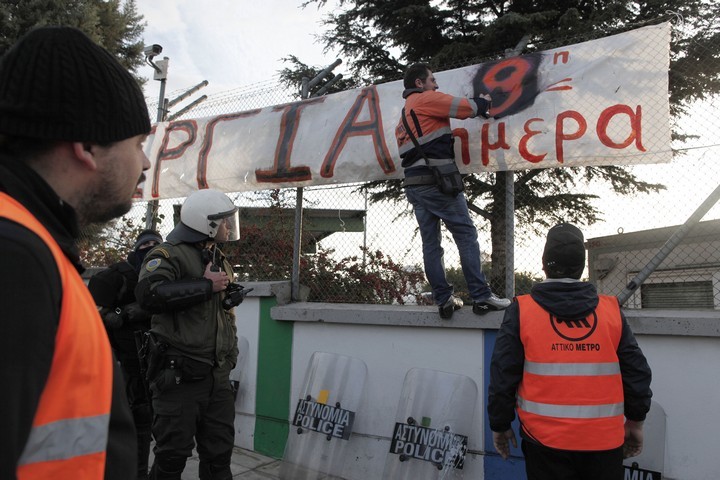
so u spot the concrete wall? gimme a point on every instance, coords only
(683, 349)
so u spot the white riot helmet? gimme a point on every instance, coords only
(204, 214)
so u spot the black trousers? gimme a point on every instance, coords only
(543, 463)
(141, 409)
(184, 413)
(136, 388)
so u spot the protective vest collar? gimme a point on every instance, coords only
(409, 91)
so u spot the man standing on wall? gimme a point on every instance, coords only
(433, 186)
(566, 359)
(192, 346)
(113, 290)
(72, 126)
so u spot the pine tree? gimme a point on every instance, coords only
(114, 25)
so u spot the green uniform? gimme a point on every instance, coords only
(192, 395)
(204, 331)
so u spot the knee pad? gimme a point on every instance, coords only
(168, 467)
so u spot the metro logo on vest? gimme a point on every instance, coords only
(575, 330)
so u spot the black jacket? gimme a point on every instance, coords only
(30, 295)
(113, 289)
(566, 300)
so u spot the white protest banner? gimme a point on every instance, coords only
(602, 102)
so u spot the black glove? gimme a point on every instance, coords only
(483, 106)
(112, 319)
(134, 313)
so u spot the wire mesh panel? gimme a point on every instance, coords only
(360, 242)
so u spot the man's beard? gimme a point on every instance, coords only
(103, 204)
(95, 213)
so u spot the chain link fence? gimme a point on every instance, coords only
(359, 246)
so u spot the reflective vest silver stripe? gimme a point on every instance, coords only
(571, 411)
(454, 105)
(572, 369)
(66, 439)
(425, 139)
(436, 162)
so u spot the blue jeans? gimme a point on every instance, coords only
(430, 207)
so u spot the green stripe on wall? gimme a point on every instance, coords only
(272, 407)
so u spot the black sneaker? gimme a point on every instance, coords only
(448, 308)
(491, 304)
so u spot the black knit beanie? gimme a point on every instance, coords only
(57, 84)
(137, 255)
(564, 254)
(146, 236)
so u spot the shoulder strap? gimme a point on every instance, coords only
(412, 137)
(418, 128)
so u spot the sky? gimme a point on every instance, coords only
(229, 43)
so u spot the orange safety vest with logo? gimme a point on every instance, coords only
(571, 393)
(69, 433)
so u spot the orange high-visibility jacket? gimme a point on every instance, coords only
(69, 434)
(433, 111)
(571, 393)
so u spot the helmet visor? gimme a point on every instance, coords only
(226, 226)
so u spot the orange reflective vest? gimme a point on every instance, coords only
(69, 433)
(571, 393)
(433, 111)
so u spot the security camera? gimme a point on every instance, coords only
(152, 50)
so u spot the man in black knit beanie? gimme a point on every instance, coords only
(72, 126)
(567, 363)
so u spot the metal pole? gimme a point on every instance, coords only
(327, 71)
(305, 88)
(297, 245)
(297, 233)
(161, 101)
(187, 108)
(187, 93)
(668, 247)
(152, 206)
(509, 234)
(161, 69)
(510, 204)
(365, 227)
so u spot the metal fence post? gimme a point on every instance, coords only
(510, 205)
(306, 86)
(161, 70)
(509, 234)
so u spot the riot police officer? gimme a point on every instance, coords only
(193, 339)
(113, 290)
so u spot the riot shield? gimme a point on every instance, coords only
(433, 420)
(323, 418)
(650, 464)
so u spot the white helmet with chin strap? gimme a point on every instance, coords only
(203, 214)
